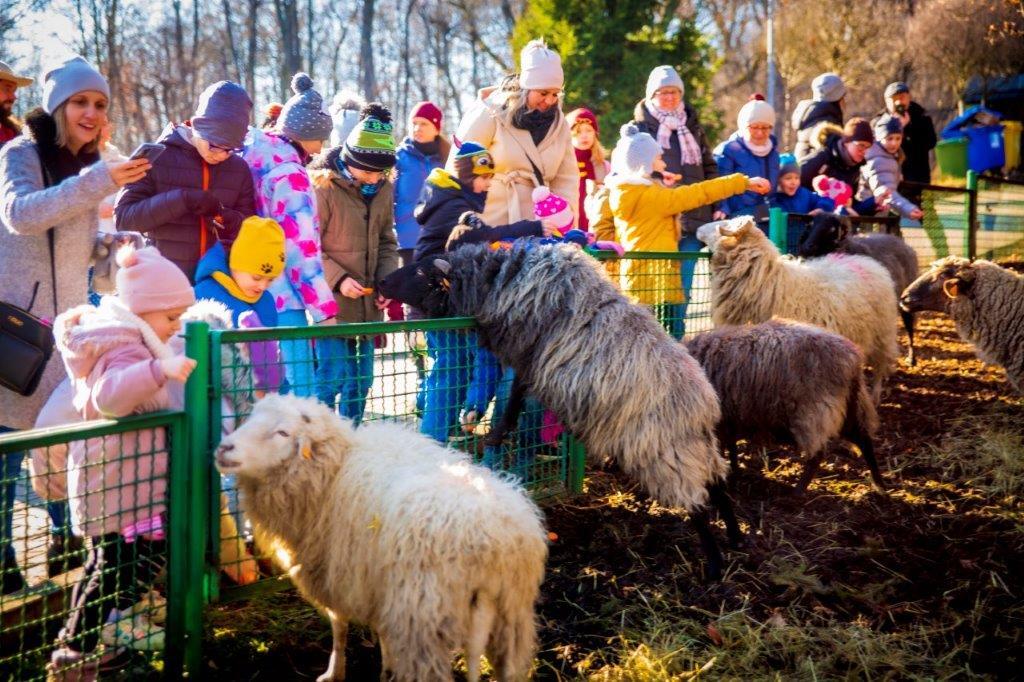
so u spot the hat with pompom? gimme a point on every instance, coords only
(540, 68)
(148, 282)
(548, 205)
(471, 160)
(635, 152)
(370, 146)
(788, 164)
(303, 117)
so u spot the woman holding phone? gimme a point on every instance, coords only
(52, 180)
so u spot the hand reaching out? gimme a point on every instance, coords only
(178, 367)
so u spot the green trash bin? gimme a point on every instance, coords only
(952, 157)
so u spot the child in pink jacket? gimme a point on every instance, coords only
(119, 364)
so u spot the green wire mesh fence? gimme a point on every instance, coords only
(87, 584)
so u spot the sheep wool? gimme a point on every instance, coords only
(785, 377)
(850, 295)
(986, 303)
(383, 526)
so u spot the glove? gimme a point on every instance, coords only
(201, 202)
(231, 220)
(471, 219)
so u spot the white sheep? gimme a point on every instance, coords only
(986, 302)
(850, 295)
(383, 526)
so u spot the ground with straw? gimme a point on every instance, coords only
(842, 583)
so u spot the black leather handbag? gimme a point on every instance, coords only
(26, 342)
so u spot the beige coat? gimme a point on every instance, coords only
(357, 240)
(509, 198)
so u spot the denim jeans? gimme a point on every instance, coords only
(526, 430)
(345, 368)
(484, 383)
(688, 243)
(444, 389)
(10, 473)
(297, 355)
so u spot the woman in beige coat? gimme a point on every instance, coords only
(355, 201)
(521, 123)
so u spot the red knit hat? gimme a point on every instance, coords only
(429, 111)
(583, 114)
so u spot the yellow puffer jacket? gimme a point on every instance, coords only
(646, 219)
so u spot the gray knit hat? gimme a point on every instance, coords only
(887, 124)
(303, 116)
(663, 76)
(222, 117)
(635, 152)
(828, 87)
(71, 76)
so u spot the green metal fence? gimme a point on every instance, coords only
(120, 597)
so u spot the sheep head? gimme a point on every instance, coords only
(424, 285)
(823, 235)
(283, 433)
(946, 280)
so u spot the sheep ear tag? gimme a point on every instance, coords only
(307, 452)
(445, 284)
(951, 288)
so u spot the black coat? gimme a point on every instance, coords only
(442, 202)
(706, 170)
(830, 161)
(806, 117)
(156, 206)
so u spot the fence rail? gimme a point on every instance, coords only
(428, 374)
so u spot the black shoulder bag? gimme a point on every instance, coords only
(26, 342)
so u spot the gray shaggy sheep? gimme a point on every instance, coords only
(850, 295)
(603, 365)
(383, 526)
(790, 381)
(830, 233)
(985, 301)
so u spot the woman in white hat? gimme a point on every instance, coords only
(521, 123)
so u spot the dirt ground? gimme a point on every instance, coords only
(841, 583)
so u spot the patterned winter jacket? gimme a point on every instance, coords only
(284, 193)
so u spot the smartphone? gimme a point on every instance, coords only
(148, 151)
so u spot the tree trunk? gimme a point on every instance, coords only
(367, 74)
(291, 45)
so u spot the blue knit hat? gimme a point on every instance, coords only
(788, 164)
(887, 124)
(303, 116)
(222, 117)
(72, 76)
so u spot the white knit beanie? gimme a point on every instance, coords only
(540, 68)
(755, 111)
(635, 152)
(664, 76)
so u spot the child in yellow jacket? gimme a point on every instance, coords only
(645, 213)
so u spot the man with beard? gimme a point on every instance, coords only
(9, 83)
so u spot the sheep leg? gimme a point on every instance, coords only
(908, 324)
(699, 520)
(720, 498)
(810, 469)
(734, 464)
(336, 668)
(867, 450)
(510, 418)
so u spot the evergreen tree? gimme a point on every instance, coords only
(608, 48)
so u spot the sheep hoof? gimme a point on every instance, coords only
(330, 677)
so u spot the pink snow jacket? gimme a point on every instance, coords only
(112, 359)
(283, 192)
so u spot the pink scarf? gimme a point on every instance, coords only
(669, 121)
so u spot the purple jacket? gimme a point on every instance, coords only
(155, 205)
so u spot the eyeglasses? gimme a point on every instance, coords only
(226, 150)
(761, 128)
(863, 146)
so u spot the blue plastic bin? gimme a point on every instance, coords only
(985, 149)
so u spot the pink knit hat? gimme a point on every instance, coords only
(147, 281)
(548, 205)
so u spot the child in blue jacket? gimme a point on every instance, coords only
(791, 197)
(445, 198)
(240, 281)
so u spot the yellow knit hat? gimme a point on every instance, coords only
(259, 248)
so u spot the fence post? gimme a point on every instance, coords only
(197, 347)
(577, 463)
(777, 228)
(178, 549)
(971, 235)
